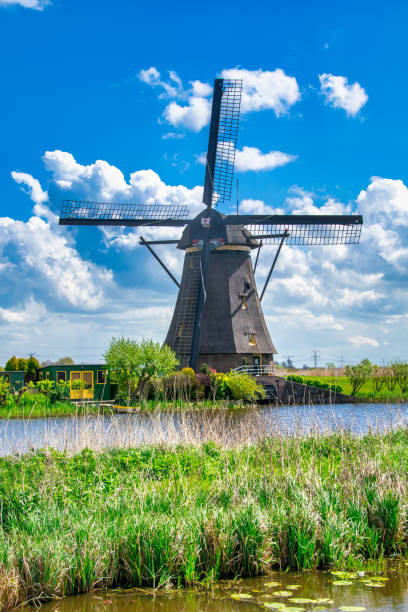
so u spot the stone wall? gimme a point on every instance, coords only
(287, 392)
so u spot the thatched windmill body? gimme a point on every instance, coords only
(218, 317)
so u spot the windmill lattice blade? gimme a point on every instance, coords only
(222, 141)
(303, 229)
(74, 212)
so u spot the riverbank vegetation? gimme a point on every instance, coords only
(366, 381)
(182, 515)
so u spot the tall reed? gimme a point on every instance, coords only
(182, 514)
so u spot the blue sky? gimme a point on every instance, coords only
(323, 125)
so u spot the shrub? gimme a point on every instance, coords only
(242, 386)
(358, 375)
(46, 385)
(296, 378)
(4, 391)
(178, 385)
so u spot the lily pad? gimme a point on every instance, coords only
(381, 578)
(241, 596)
(342, 582)
(377, 585)
(352, 608)
(293, 586)
(283, 593)
(301, 600)
(274, 605)
(272, 584)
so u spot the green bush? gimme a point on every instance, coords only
(4, 391)
(242, 386)
(314, 383)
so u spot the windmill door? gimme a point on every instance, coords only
(257, 363)
(81, 385)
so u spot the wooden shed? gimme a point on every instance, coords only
(86, 381)
(15, 378)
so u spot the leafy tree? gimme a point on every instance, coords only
(12, 364)
(401, 374)
(32, 365)
(133, 363)
(65, 361)
(22, 364)
(358, 374)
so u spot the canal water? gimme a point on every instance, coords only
(223, 426)
(288, 591)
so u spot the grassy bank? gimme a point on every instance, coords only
(158, 515)
(367, 391)
(38, 405)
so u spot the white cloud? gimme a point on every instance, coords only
(251, 158)
(359, 341)
(37, 5)
(265, 89)
(258, 207)
(173, 136)
(340, 94)
(30, 313)
(193, 116)
(262, 90)
(152, 77)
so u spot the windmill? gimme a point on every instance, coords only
(218, 317)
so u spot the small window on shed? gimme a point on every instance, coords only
(100, 377)
(251, 339)
(244, 302)
(47, 375)
(180, 331)
(61, 376)
(40, 375)
(6, 376)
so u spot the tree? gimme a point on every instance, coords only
(358, 375)
(32, 365)
(65, 361)
(133, 363)
(22, 364)
(330, 365)
(12, 364)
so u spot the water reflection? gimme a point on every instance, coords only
(222, 426)
(315, 591)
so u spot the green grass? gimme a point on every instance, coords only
(38, 405)
(182, 515)
(367, 391)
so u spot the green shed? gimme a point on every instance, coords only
(14, 378)
(86, 381)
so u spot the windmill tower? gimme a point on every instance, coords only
(218, 317)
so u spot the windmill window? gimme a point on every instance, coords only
(251, 339)
(191, 263)
(180, 331)
(61, 376)
(244, 302)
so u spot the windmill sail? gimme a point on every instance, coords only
(303, 229)
(222, 141)
(76, 212)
